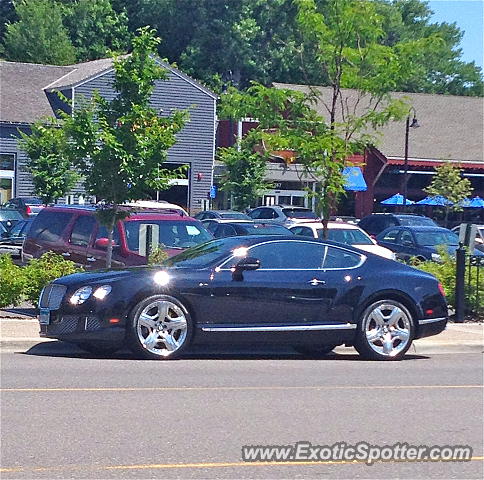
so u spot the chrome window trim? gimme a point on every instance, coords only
(321, 269)
(431, 320)
(281, 328)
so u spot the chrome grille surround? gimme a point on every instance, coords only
(51, 296)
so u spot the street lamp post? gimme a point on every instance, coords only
(408, 125)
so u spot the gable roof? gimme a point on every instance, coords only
(24, 86)
(450, 126)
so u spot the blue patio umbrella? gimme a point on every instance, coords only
(396, 199)
(435, 201)
(476, 202)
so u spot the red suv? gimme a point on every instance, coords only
(75, 233)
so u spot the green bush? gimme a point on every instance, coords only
(25, 283)
(157, 256)
(11, 282)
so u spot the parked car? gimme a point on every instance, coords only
(228, 214)
(8, 217)
(75, 233)
(11, 241)
(157, 205)
(285, 215)
(479, 240)
(237, 289)
(419, 242)
(230, 228)
(377, 222)
(344, 233)
(27, 206)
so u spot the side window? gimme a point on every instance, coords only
(339, 258)
(391, 236)
(289, 255)
(305, 231)
(102, 232)
(49, 225)
(227, 230)
(264, 213)
(82, 230)
(406, 239)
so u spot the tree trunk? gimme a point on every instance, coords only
(109, 251)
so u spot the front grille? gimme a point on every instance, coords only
(51, 296)
(68, 324)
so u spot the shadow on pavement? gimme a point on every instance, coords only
(63, 349)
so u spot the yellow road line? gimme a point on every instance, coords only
(167, 466)
(241, 388)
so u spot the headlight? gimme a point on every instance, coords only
(161, 278)
(81, 295)
(102, 292)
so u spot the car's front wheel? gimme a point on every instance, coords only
(385, 331)
(160, 328)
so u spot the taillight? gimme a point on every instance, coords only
(28, 210)
(441, 289)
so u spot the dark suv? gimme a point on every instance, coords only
(377, 222)
(75, 233)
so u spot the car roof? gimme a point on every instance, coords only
(418, 228)
(331, 225)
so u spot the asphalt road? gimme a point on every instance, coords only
(71, 415)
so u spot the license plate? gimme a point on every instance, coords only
(44, 317)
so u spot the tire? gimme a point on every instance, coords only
(316, 351)
(159, 328)
(98, 349)
(385, 331)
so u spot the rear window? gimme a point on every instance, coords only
(234, 215)
(49, 225)
(172, 233)
(264, 229)
(298, 213)
(416, 221)
(32, 201)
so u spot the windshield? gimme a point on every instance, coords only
(206, 254)
(10, 215)
(235, 215)
(298, 213)
(265, 229)
(20, 229)
(350, 236)
(172, 233)
(432, 239)
(416, 221)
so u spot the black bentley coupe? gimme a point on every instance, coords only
(310, 294)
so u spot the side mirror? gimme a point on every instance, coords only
(245, 264)
(102, 243)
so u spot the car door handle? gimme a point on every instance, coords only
(66, 254)
(90, 259)
(315, 282)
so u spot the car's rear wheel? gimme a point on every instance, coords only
(314, 351)
(385, 331)
(160, 328)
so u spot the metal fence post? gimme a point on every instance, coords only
(460, 271)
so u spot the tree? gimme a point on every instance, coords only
(95, 28)
(449, 183)
(119, 145)
(48, 162)
(39, 35)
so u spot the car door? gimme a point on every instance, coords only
(287, 289)
(97, 253)
(408, 247)
(80, 240)
(389, 239)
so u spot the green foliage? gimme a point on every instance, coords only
(40, 271)
(96, 29)
(449, 183)
(39, 35)
(11, 282)
(25, 283)
(47, 160)
(157, 256)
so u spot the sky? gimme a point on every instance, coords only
(469, 16)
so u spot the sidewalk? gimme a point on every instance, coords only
(20, 331)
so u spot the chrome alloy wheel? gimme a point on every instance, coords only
(388, 328)
(162, 327)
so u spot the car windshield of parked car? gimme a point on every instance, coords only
(172, 233)
(432, 238)
(265, 229)
(20, 229)
(298, 213)
(416, 221)
(235, 215)
(206, 254)
(350, 236)
(10, 215)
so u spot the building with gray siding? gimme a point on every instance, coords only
(28, 92)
